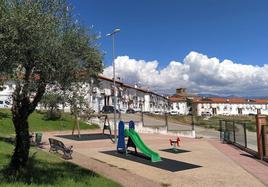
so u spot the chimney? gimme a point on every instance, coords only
(180, 90)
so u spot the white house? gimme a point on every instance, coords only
(179, 105)
(178, 102)
(101, 94)
(5, 95)
(229, 106)
(128, 96)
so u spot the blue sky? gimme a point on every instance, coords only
(166, 30)
(166, 44)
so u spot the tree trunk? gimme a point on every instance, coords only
(22, 144)
(21, 109)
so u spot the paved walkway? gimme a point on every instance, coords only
(220, 165)
(244, 159)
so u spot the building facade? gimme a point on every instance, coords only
(128, 96)
(229, 106)
(5, 95)
(101, 94)
(181, 102)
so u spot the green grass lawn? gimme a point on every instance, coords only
(38, 123)
(46, 169)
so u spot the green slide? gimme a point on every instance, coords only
(141, 146)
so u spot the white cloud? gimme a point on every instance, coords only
(198, 73)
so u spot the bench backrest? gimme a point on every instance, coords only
(56, 142)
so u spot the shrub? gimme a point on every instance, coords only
(52, 115)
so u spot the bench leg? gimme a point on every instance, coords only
(67, 155)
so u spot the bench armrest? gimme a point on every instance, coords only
(69, 147)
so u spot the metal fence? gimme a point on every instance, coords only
(155, 121)
(264, 133)
(236, 132)
(165, 120)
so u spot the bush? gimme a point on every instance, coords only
(52, 115)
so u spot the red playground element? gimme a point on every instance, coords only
(175, 143)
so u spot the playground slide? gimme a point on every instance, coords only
(141, 145)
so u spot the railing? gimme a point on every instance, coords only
(236, 133)
(264, 133)
(164, 120)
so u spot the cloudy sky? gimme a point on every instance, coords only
(208, 46)
(197, 72)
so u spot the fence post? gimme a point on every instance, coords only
(142, 119)
(166, 120)
(234, 131)
(245, 134)
(260, 121)
(264, 139)
(220, 129)
(192, 122)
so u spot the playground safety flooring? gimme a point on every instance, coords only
(201, 162)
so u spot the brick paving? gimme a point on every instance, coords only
(245, 160)
(218, 168)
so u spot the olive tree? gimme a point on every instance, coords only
(41, 45)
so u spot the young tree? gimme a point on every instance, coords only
(78, 103)
(51, 102)
(41, 45)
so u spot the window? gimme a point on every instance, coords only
(1, 102)
(239, 111)
(214, 111)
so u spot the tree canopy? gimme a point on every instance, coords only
(42, 43)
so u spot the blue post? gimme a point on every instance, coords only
(121, 146)
(131, 125)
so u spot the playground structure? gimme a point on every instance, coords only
(134, 140)
(103, 118)
(175, 144)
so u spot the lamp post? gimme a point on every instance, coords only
(115, 99)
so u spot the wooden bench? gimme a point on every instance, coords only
(56, 145)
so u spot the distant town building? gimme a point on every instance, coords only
(229, 106)
(101, 94)
(184, 103)
(5, 95)
(128, 97)
(181, 102)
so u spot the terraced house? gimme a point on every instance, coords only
(138, 99)
(229, 106)
(101, 94)
(128, 96)
(183, 103)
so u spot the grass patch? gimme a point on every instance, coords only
(44, 169)
(38, 123)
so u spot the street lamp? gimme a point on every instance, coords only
(115, 99)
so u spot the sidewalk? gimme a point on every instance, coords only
(244, 159)
(214, 167)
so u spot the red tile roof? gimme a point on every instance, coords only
(230, 100)
(176, 98)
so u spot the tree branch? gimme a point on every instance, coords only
(38, 96)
